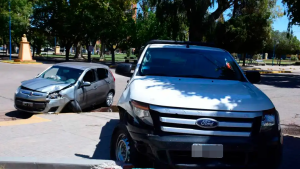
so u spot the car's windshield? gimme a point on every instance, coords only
(62, 74)
(187, 62)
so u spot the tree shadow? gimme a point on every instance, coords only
(208, 93)
(18, 115)
(102, 150)
(281, 80)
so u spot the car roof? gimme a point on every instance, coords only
(181, 46)
(81, 65)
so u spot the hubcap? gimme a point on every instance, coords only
(109, 99)
(122, 150)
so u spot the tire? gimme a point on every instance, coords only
(75, 107)
(122, 148)
(109, 99)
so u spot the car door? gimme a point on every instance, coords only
(86, 94)
(102, 84)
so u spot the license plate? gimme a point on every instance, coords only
(207, 150)
(27, 104)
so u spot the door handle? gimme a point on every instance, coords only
(108, 82)
(95, 87)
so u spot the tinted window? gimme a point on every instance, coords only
(189, 63)
(102, 74)
(63, 74)
(89, 76)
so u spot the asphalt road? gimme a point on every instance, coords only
(283, 89)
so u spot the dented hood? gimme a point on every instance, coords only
(44, 85)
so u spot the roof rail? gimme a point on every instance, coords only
(180, 43)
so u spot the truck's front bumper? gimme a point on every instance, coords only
(239, 152)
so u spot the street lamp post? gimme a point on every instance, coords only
(276, 43)
(9, 30)
(113, 54)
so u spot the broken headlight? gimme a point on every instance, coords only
(141, 110)
(54, 95)
(270, 119)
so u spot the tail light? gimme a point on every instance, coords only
(112, 75)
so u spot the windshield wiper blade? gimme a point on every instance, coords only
(195, 76)
(156, 74)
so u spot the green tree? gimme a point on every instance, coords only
(118, 26)
(286, 44)
(249, 28)
(293, 12)
(193, 13)
(20, 13)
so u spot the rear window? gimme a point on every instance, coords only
(189, 63)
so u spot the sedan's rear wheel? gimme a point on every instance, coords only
(109, 99)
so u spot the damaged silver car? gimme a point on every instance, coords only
(73, 86)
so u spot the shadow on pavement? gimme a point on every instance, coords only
(102, 150)
(281, 80)
(291, 151)
(14, 115)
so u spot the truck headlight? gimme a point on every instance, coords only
(270, 118)
(141, 110)
(54, 95)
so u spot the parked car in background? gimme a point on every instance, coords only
(67, 85)
(189, 105)
(48, 49)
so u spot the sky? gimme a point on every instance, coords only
(281, 24)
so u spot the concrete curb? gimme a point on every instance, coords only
(22, 63)
(268, 71)
(34, 163)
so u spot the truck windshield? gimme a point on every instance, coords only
(62, 74)
(186, 62)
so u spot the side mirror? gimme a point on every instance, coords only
(86, 84)
(253, 76)
(124, 69)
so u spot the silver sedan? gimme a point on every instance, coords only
(73, 85)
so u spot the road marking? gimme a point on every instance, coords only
(33, 119)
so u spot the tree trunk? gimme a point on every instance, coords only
(113, 59)
(102, 50)
(67, 52)
(195, 33)
(33, 48)
(39, 49)
(78, 51)
(244, 59)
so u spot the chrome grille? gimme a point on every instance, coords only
(175, 120)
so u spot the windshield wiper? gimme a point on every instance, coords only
(156, 74)
(194, 76)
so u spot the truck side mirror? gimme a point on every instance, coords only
(124, 69)
(253, 76)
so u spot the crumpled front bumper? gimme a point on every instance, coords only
(40, 105)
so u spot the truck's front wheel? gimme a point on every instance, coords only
(122, 147)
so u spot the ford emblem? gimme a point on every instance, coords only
(207, 123)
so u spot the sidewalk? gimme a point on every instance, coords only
(71, 137)
(275, 67)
